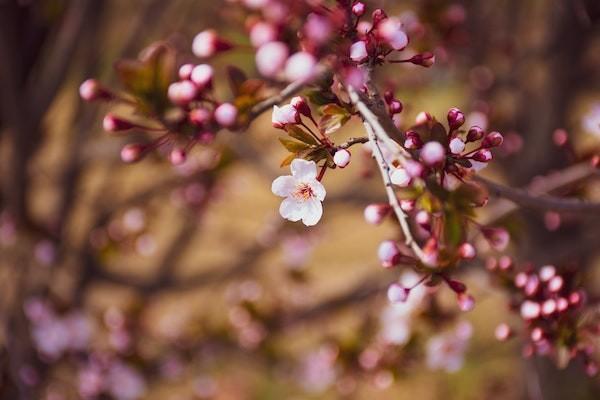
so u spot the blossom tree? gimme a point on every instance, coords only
(320, 69)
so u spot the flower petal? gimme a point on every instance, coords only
(312, 212)
(291, 209)
(318, 189)
(304, 170)
(283, 186)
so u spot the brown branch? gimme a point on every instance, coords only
(529, 198)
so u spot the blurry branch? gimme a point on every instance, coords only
(362, 292)
(542, 185)
(52, 74)
(247, 261)
(529, 198)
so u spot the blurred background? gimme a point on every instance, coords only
(160, 282)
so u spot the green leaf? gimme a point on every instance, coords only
(292, 145)
(298, 133)
(321, 97)
(453, 228)
(330, 123)
(288, 160)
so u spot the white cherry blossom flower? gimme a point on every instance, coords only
(302, 191)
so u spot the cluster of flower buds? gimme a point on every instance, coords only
(195, 117)
(550, 306)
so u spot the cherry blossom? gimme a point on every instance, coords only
(302, 191)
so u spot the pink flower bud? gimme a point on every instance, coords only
(262, 33)
(560, 137)
(177, 156)
(456, 118)
(358, 9)
(407, 205)
(199, 116)
(549, 307)
(185, 71)
(505, 263)
(271, 58)
(318, 28)
(430, 253)
(182, 93)
(396, 107)
(466, 251)
(413, 168)
(300, 67)
(399, 176)
(492, 139)
(341, 158)
(521, 279)
(388, 253)
(466, 302)
(433, 153)
(207, 43)
(426, 59)
(284, 115)
(91, 90)
(300, 104)
(576, 298)
(378, 16)
(391, 31)
(226, 115)
(547, 272)
(530, 310)
(375, 213)
(358, 51)
(591, 368)
(413, 140)
(537, 334)
(474, 134)
(397, 293)
(423, 219)
(532, 286)
(111, 123)
(483, 155)
(132, 152)
(202, 76)
(562, 304)
(498, 238)
(422, 118)
(503, 332)
(556, 284)
(456, 145)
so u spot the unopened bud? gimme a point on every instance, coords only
(475, 134)
(388, 253)
(112, 123)
(549, 307)
(300, 104)
(456, 145)
(185, 71)
(530, 310)
(378, 16)
(483, 155)
(423, 219)
(358, 9)
(91, 90)
(413, 140)
(433, 153)
(457, 286)
(466, 251)
(226, 115)
(426, 59)
(555, 284)
(341, 158)
(199, 116)
(423, 117)
(456, 118)
(397, 293)
(181, 93)
(492, 139)
(132, 152)
(503, 332)
(358, 51)
(466, 302)
(207, 43)
(202, 75)
(177, 156)
(396, 107)
(547, 272)
(376, 213)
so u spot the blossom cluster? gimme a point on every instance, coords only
(550, 305)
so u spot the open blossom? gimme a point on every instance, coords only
(302, 191)
(391, 31)
(300, 66)
(358, 51)
(271, 58)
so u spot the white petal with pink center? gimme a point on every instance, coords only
(302, 191)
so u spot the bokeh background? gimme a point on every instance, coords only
(189, 277)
